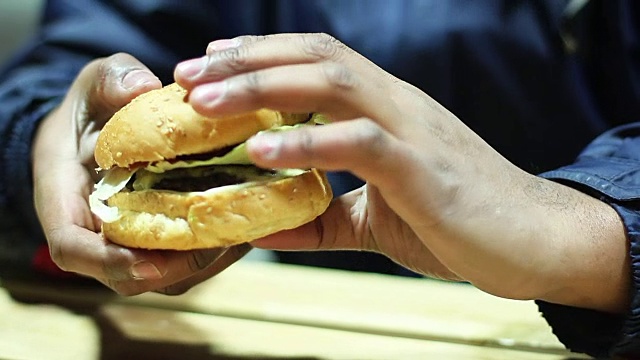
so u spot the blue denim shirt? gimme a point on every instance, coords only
(539, 80)
(609, 168)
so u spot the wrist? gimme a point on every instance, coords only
(587, 261)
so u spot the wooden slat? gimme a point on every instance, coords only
(371, 303)
(355, 302)
(120, 331)
(45, 332)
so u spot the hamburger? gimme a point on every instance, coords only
(174, 179)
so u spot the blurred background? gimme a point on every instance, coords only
(18, 19)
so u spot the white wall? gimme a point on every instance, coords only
(17, 21)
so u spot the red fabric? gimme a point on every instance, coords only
(43, 263)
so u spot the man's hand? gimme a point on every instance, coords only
(64, 172)
(438, 199)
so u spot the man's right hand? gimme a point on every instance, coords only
(64, 173)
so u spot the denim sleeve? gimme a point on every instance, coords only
(609, 169)
(27, 95)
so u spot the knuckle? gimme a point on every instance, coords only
(107, 68)
(234, 59)
(105, 74)
(373, 138)
(56, 252)
(110, 73)
(339, 76)
(253, 84)
(322, 46)
(116, 266)
(306, 144)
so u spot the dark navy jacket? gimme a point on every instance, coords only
(538, 79)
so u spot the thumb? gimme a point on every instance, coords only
(341, 227)
(112, 82)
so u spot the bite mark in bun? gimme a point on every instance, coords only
(178, 180)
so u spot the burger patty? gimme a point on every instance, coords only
(199, 178)
(189, 183)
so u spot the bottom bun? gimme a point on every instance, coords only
(221, 217)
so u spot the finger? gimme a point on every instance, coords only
(183, 270)
(114, 81)
(359, 146)
(77, 247)
(249, 53)
(329, 88)
(222, 44)
(126, 271)
(229, 257)
(343, 226)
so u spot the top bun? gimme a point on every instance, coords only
(128, 138)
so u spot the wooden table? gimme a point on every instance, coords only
(260, 310)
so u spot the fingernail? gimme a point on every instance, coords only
(208, 94)
(190, 68)
(137, 78)
(266, 145)
(222, 44)
(145, 270)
